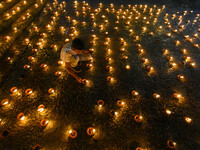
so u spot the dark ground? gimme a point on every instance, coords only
(74, 106)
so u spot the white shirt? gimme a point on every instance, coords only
(68, 55)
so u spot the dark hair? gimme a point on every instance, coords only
(78, 44)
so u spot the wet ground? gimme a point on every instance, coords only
(165, 113)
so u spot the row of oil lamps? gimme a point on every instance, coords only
(125, 57)
(23, 17)
(91, 130)
(141, 50)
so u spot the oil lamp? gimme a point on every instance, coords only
(28, 91)
(51, 91)
(125, 57)
(60, 62)
(149, 68)
(7, 37)
(36, 147)
(165, 51)
(168, 111)
(44, 122)
(4, 102)
(138, 118)
(188, 120)
(13, 90)
(141, 50)
(122, 49)
(109, 68)
(128, 67)
(180, 77)
(15, 29)
(34, 50)
(108, 59)
(20, 116)
(43, 66)
(91, 131)
(177, 95)
(135, 93)
(100, 103)
(170, 58)
(192, 64)
(150, 33)
(184, 51)
(72, 134)
(4, 134)
(120, 103)
(110, 79)
(41, 108)
(173, 64)
(58, 73)
(31, 58)
(171, 144)
(155, 95)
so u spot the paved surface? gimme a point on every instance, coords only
(73, 106)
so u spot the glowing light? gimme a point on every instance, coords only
(176, 95)
(122, 49)
(43, 66)
(155, 95)
(180, 77)
(188, 120)
(165, 51)
(135, 93)
(7, 37)
(171, 144)
(170, 58)
(125, 57)
(138, 118)
(168, 111)
(20, 116)
(110, 79)
(86, 82)
(173, 64)
(44, 122)
(60, 62)
(184, 51)
(27, 66)
(13, 90)
(4, 102)
(192, 64)
(31, 58)
(41, 108)
(120, 103)
(58, 73)
(108, 59)
(141, 50)
(128, 67)
(28, 91)
(51, 91)
(149, 68)
(91, 131)
(72, 134)
(100, 103)
(145, 60)
(110, 68)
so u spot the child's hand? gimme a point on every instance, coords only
(86, 52)
(79, 80)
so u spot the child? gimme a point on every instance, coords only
(73, 53)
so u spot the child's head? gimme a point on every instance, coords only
(78, 44)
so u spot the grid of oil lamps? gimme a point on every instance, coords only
(125, 15)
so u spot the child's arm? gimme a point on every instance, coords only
(70, 71)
